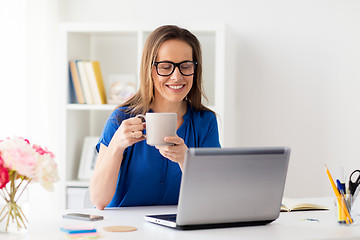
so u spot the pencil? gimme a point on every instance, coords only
(339, 197)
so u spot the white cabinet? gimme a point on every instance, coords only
(118, 48)
(75, 197)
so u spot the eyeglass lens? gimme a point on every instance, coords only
(167, 68)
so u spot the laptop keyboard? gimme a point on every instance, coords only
(170, 217)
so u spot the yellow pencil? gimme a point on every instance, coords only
(339, 197)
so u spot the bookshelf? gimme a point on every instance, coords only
(118, 48)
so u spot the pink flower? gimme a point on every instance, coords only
(18, 156)
(4, 174)
(21, 161)
(29, 161)
(1, 161)
(42, 151)
(4, 177)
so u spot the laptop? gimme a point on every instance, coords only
(229, 187)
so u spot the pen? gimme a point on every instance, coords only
(340, 186)
(339, 197)
(341, 212)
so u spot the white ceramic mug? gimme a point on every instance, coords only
(159, 126)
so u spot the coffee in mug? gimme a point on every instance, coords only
(159, 126)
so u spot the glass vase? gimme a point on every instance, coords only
(13, 210)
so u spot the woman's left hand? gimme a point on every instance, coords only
(176, 152)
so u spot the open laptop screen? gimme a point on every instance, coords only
(232, 185)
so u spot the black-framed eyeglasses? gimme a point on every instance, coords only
(166, 68)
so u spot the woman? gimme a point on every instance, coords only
(129, 172)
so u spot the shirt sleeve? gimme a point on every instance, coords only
(111, 125)
(211, 131)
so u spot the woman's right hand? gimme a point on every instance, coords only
(109, 161)
(129, 132)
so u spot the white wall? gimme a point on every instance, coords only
(13, 74)
(27, 84)
(44, 101)
(297, 72)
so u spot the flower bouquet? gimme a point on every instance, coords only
(21, 163)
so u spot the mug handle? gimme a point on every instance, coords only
(143, 118)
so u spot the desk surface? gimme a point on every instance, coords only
(287, 226)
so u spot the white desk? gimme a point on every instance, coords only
(287, 226)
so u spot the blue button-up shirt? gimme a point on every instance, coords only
(148, 178)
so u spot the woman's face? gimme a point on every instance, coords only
(173, 88)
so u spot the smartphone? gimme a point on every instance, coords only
(82, 216)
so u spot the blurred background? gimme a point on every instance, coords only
(296, 70)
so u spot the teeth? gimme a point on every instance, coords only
(176, 87)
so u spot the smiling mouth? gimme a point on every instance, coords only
(176, 87)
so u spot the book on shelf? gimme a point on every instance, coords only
(84, 81)
(290, 205)
(99, 81)
(75, 84)
(71, 91)
(87, 81)
(90, 74)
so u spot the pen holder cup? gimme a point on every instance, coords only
(343, 212)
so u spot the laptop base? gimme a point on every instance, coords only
(169, 221)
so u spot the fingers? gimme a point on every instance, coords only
(170, 155)
(177, 144)
(134, 124)
(129, 132)
(176, 152)
(137, 126)
(175, 140)
(134, 127)
(137, 134)
(133, 120)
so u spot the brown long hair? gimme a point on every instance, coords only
(140, 103)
